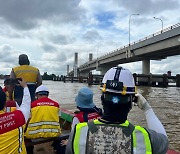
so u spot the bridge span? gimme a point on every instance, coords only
(157, 46)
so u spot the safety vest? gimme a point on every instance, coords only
(10, 106)
(90, 116)
(28, 73)
(110, 138)
(44, 122)
(12, 133)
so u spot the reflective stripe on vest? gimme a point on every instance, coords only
(141, 141)
(20, 139)
(43, 123)
(45, 130)
(80, 138)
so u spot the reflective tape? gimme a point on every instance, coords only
(45, 130)
(43, 123)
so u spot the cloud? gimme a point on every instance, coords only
(92, 36)
(47, 47)
(50, 32)
(149, 6)
(24, 14)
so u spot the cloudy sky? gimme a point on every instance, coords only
(51, 31)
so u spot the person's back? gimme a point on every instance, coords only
(12, 124)
(44, 122)
(29, 73)
(113, 133)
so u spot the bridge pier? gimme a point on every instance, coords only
(146, 66)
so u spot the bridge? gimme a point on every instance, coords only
(157, 46)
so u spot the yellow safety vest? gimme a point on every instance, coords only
(140, 139)
(44, 122)
(28, 73)
(12, 141)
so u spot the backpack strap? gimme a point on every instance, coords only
(126, 130)
(92, 127)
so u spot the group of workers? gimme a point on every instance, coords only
(94, 130)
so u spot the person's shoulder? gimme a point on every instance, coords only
(33, 67)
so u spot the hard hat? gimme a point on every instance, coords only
(42, 90)
(118, 80)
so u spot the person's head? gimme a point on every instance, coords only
(84, 98)
(9, 81)
(42, 91)
(9, 84)
(23, 59)
(118, 92)
(2, 99)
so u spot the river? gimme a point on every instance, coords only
(164, 101)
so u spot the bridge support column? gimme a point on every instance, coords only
(146, 66)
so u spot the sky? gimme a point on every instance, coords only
(50, 32)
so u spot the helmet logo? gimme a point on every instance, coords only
(115, 100)
(113, 84)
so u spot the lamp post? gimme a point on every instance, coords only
(130, 26)
(160, 20)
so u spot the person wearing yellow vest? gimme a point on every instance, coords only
(11, 124)
(44, 121)
(29, 73)
(113, 133)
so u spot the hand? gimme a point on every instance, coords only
(142, 103)
(22, 83)
(64, 142)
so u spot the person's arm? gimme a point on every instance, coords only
(158, 136)
(39, 79)
(26, 101)
(152, 120)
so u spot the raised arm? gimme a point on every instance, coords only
(26, 101)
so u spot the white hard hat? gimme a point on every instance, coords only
(118, 80)
(42, 89)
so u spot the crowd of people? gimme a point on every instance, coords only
(27, 112)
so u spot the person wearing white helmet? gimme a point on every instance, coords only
(113, 133)
(44, 122)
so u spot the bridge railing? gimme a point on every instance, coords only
(145, 38)
(135, 42)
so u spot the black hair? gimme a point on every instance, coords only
(9, 81)
(23, 59)
(2, 99)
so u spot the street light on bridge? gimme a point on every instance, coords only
(130, 26)
(160, 20)
(128, 53)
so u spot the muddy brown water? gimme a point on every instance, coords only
(164, 101)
